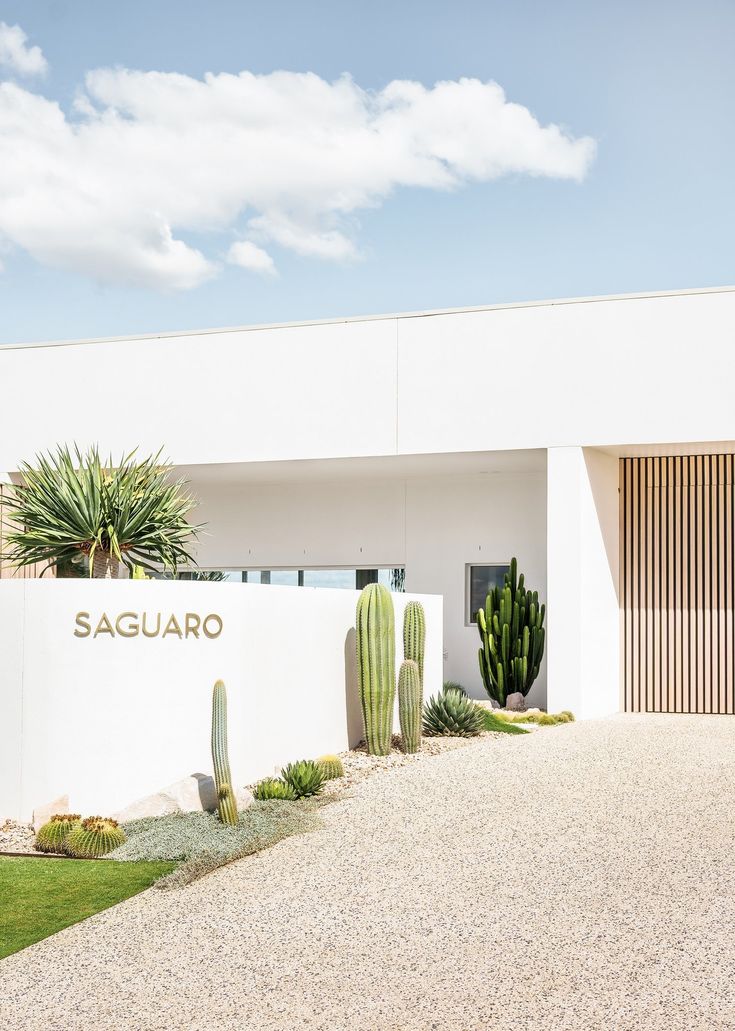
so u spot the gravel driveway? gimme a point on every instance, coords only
(580, 877)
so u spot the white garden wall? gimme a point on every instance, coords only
(109, 719)
(433, 525)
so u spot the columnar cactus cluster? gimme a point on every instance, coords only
(410, 702)
(511, 628)
(376, 666)
(226, 804)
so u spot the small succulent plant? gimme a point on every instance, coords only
(453, 714)
(52, 835)
(94, 837)
(305, 777)
(271, 788)
(331, 766)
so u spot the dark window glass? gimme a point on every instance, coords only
(481, 580)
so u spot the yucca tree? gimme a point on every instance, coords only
(131, 512)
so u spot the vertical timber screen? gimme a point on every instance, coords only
(677, 561)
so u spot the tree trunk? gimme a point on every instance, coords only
(105, 566)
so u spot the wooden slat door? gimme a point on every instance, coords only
(677, 560)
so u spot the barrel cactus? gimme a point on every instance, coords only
(376, 666)
(331, 766)
(305, 777)
(453, 714)
(226, 804)
(273, 788)
(52, 835)
(511, 628)
(94, 837)
(410, 698)
(414, 635)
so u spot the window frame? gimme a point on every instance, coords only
(469, 566)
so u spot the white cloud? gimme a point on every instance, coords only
(286, 159)
(248, 255)
(15, 55)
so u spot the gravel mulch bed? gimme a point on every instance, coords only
(16, 837)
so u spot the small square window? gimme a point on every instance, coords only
(480, 581)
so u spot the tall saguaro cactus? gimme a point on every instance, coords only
(410, 705)
(376, 666)
(512, 633)
(226, 805)
(414, 635)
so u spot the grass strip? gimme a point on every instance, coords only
(501, 726)
(39, 897)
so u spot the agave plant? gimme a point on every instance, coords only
(452, 714)
(71, 504)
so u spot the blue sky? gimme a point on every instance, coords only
(652, 84)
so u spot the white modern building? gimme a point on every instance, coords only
(592, 438)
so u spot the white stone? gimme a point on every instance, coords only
(190, 795)
(43, 813)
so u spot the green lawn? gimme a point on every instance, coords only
(39, 897)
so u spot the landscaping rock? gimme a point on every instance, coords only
(190, 795)
(43, 813)
(16, 837)
(515, 702)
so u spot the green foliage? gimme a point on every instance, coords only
(410, 697)
(542, 719)
(69, 505)
(52, 835)
(39, 897)
(226, 804)
(306, 777)
(452, 685)
(414, 636)
(201, 843)
(511, 628)
(453, 714)
(498, 725)
(376, 666)
(95, 837)
(271, 788)
(331, 766)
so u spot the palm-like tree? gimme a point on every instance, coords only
(132, 512)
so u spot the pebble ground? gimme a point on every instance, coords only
(582, 877)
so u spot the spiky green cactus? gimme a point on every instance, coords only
(226, 805)
(94, 837)
(453, 714)
(273, 788)
(410, 698)
(414, 635)
(305, 777)
(376, 666)
(52, 835)
(331, 766)
(512, 633)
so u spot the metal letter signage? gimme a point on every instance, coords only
(132, 624)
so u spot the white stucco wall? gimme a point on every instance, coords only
(583, 581)
(603, 371)
(434, 526)
(109, 720)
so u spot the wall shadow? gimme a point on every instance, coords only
(353, 712)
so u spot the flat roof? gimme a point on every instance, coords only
(376, 318)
